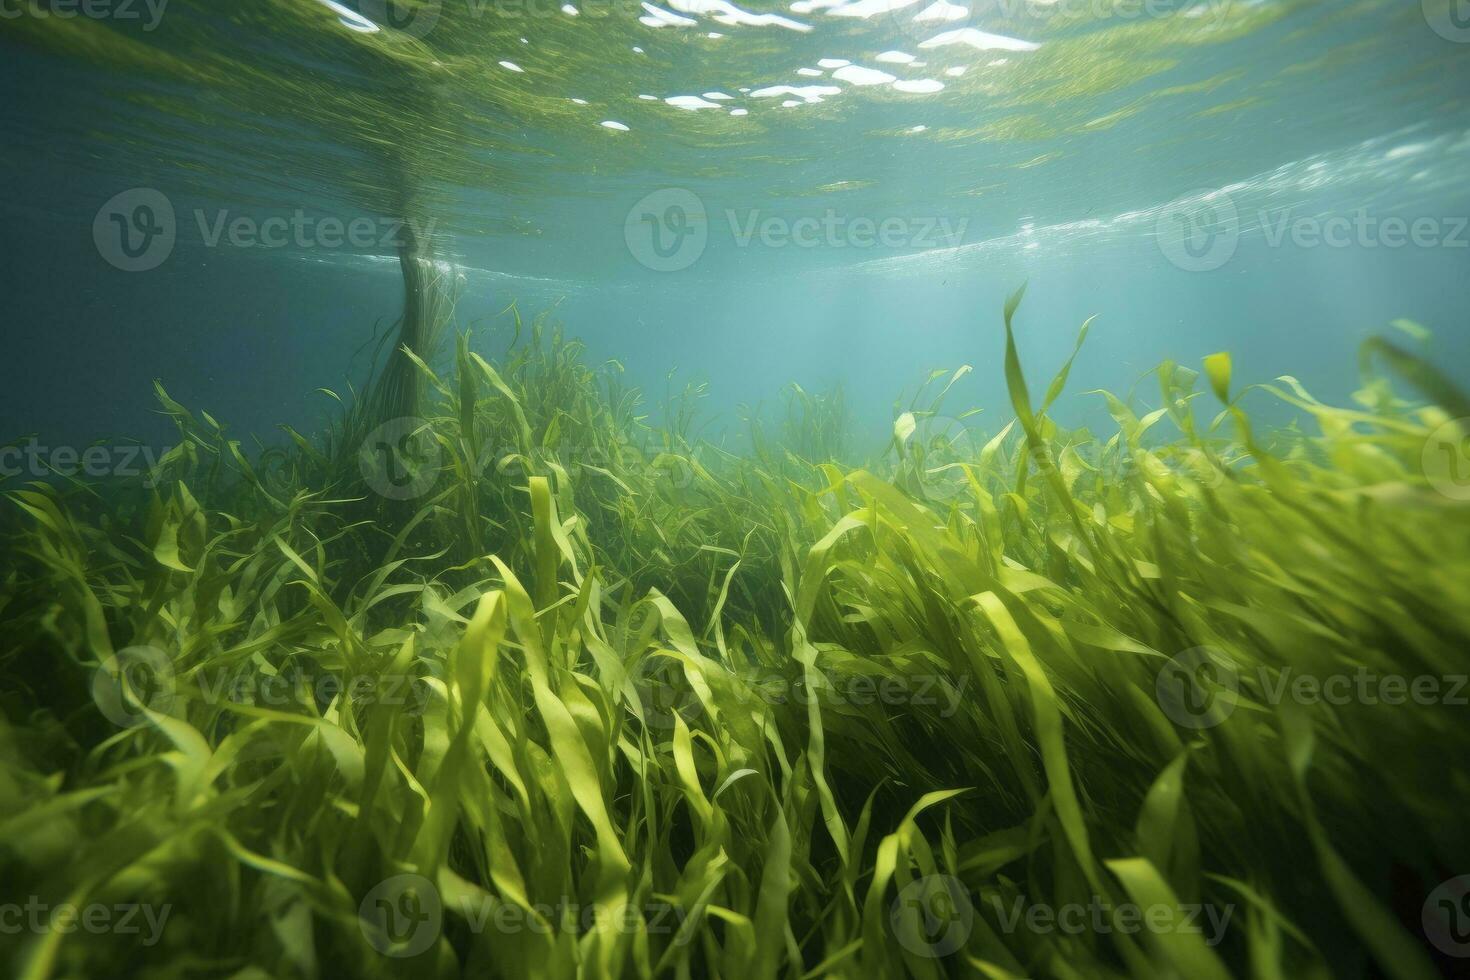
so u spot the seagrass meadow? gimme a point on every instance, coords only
(527, 685)
(582, 489)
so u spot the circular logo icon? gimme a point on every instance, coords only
(132, 679)
(136, 230)
(667, 230)
(1198, 232)
(1446, 459)
(415, 18)
(1192, 463)
(1199, 688)
(945, 442)
(402, 915)
(1446, 917)
(932, 916)
(400, 458)
(663, 691)
(1450, 19)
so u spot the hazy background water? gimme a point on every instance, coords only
(1061, 176)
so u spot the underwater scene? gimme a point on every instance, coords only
(750, 489)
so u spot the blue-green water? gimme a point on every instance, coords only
(859, 227)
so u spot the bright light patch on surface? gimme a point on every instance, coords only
(511, 66)
(918, 86)
(659, 17)
(809, 72)
(807, 93)
(830, 63)
(691, 102)
(858, 75)
(917, 129)
(718, 96)
(895, 57)
(863, 9)
(979, 40)
(739, 112)
(351, 19)
(614, 124)
(725, 12)
(648, 98)
(569, 10)
(792, 103)
(580, 101)
(956, 71)
(942, 12)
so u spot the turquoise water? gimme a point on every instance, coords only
(820, 193)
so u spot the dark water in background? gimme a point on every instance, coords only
(1312, 112)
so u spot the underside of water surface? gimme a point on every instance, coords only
(590, 586)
